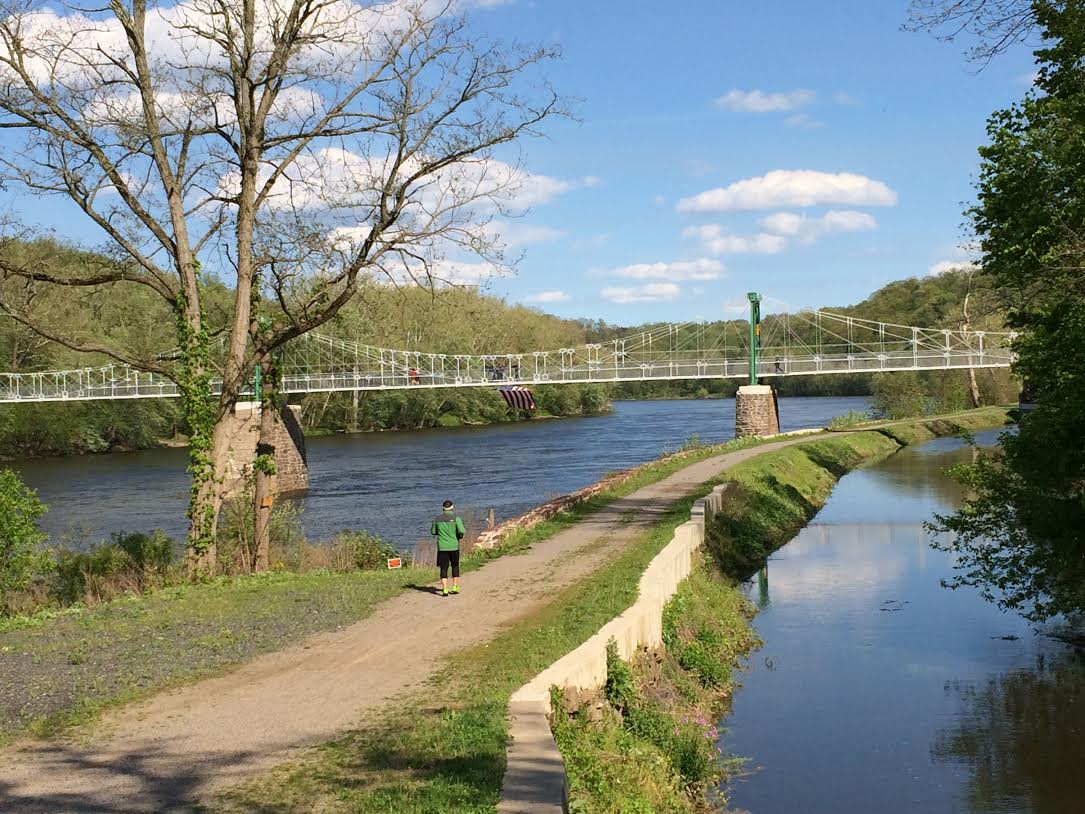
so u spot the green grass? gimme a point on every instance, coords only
(443, 750)
(775, 495)
(65, 670)
(60, 668)
(919, 430)
(654, 747)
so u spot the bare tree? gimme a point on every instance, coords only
(966, 326)
(295, 148)
(996, 24)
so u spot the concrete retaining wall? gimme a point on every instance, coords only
(535, 781)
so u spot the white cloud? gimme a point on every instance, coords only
(790, 224)
(803, 121)
(514, 233)
(548, 296)
(848, 221)
(783, 223)
(717, 241)
(792, 188)
(703, 269)
(653, 292)
(334, 177)
(777, 230)
(756, 101)
(846, 99)
(951, 265)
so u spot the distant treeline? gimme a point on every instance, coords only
(453, 321)
(932, 301)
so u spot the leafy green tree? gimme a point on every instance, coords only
(20, 538)
(1021, 537)
(898, 395)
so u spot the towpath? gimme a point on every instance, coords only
(163, 754)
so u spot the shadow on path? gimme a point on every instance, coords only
(154, 780)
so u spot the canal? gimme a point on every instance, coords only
(392, 483)
(879, 690)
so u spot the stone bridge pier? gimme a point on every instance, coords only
(291, 466)
(756, 411)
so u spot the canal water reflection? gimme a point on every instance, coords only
(878, 690)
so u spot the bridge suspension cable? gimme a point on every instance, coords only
(806, 342)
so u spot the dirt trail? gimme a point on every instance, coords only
(163, 754)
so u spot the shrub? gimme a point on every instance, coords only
(237, 533)
(147, 552)
(851, 418)
(693, 756)
(363, 551)
(620, 691)
(21, 558)
(129, 562)
(898, 395)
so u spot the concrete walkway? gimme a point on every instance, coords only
(163, 754)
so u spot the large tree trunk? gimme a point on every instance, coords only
(973, 388)
(209, 475)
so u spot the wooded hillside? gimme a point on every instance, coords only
(451, 320)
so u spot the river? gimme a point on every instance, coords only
(879, 690)
(392, 483)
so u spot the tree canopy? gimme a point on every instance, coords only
(1021, 537)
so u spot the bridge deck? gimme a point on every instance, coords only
(809, 343)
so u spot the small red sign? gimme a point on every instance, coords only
(395, 562)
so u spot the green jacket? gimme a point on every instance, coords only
(449, 529)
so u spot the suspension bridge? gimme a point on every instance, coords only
(804, 343)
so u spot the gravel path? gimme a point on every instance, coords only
(163, 754)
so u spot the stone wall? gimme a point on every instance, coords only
(755, 411)
(292, 471)
(535, 781)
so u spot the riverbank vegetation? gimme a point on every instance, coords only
(1020, 537)
(445, 751)
(455, 748)
(649, 740)
(473, 323)
(58, 661)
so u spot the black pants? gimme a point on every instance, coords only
(447, 558)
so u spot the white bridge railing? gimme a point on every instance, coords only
(803, 344)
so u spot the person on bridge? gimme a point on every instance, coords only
(448, 528)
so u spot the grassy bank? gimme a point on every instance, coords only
(653, 746)
(445, 751)
(63, 666)
(649, 741)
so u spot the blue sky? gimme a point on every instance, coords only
(847, 91)
(809, 151)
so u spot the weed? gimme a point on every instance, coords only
(852, 418)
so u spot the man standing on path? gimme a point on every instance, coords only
(448, 528)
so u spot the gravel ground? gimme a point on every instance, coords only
(70, 667)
